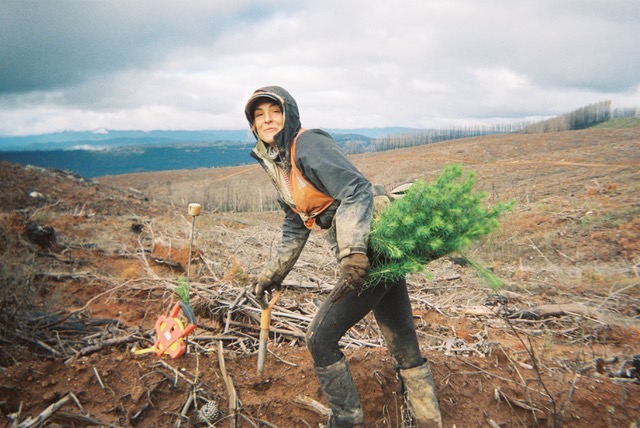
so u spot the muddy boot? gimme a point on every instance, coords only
(341, 394)
(420, 393)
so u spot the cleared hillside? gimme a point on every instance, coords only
(524, 166)
(88, 267)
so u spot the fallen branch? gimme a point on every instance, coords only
(324, 287)
(289, 363)
(98, 347)
(63, 276)
(519, 403)
(297, 334)
(74, 419)
(46, 414)
(490, 421)
(555, 310)
(597, 365)
(311, 404)
(185, 409)
(177, 373)
(95, 372)
(48, 348)
(166, 262)
(476, 310)
(231, 389)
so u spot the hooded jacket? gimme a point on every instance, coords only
(326, 168)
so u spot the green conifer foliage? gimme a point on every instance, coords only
(430, 221)
(182, 290)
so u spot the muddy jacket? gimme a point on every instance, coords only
(328, 170)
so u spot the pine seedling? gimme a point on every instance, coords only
(182, 290)
(430, 221)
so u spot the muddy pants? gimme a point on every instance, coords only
(392, 310)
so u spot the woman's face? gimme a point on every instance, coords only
(268, 120)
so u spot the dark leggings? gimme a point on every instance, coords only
(392, 309)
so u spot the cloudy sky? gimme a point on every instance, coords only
(187, 64)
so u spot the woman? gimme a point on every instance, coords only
(317, 184)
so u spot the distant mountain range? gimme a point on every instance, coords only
(95, 154)
(104, 139)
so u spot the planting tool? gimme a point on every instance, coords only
(265, 320)
(171, 333)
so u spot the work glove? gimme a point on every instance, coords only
(264, 284)
(355, 267)
(354, 273)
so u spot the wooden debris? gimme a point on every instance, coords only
(42, 236)
(490, 421)
(519, 403)
(177, 373)
(476, 311)
(46, 414)
(166, 262)
(555, 310)
(185, 409)
(597, 365)
(311, 404)
(98, 347)
(77, 420)
(63, 276)
(231, 389)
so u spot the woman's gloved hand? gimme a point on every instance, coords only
(355, 267)
(264, 284)
(354, 273)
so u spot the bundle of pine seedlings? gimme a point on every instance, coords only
(430, 221)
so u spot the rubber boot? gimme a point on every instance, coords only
(341, 394)
(420, 394)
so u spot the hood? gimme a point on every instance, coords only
(291, 115)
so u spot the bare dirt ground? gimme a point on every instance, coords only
(87, 267)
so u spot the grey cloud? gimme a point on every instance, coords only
(146, 63)
(582, 44)
(52, 44)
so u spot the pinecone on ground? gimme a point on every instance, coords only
(209, 413)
